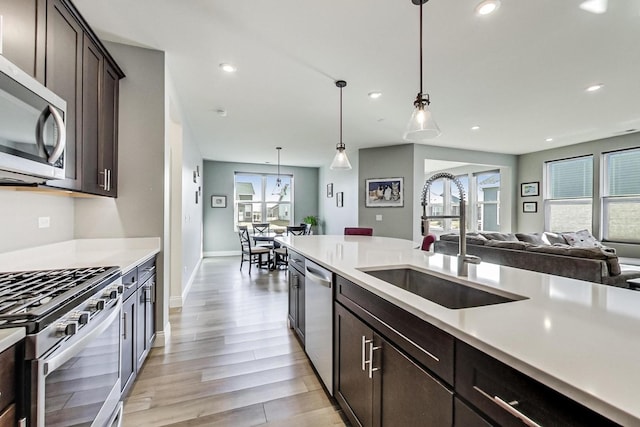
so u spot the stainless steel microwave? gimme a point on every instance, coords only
(32, 128)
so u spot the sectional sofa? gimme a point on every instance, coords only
(577, 255)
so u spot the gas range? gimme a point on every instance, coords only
(54, 304)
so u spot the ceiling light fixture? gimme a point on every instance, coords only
(375, 95)
(549, 140)
(475, 127)
(278, 188)
(487, 7)
(421, 125)
(341, 161)
(594, 6)
(594, 88)
(228, 68)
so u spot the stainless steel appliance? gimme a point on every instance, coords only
(73, 323)
(32, 128)
(319, 321)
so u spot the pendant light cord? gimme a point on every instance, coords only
(341, 117)
(421, 47)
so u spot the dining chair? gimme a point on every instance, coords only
(252, 253)
(261, 229)
(307, 227)
(281, 256)
(358, 231)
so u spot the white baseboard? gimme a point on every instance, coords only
(221, 253)
(178, 301)
(162, 337)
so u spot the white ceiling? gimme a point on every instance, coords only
(519, 74)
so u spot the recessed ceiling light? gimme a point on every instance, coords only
(487, 7)
(221, 112)
(375, 95)
(594, 6)
(594, 88)
(475, 127)
(228, 68)
(549, 140)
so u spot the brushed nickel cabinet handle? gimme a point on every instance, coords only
(124, 325)
(371, 350)
(508, 407)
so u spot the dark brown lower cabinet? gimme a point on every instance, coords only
(128, 361)
(296, 302)
(464, 416)
(145, 328)
(378, 385)
(507, 397)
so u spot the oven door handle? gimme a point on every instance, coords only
(59, 359)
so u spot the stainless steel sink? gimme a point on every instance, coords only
(442, 291)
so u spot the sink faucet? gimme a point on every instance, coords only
(463, 259)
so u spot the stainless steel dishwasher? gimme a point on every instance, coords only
(319, 321)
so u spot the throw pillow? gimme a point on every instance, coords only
(533, 238)
(505, 237)
(582, 239)
(553, 238)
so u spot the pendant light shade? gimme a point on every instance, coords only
(341, 161)
(421, 126)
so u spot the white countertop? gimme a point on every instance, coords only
(123, 253)
(580, 338)
(9, 337)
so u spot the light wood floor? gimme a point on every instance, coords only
(232, 360)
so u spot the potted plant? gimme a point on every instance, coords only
(312, 220)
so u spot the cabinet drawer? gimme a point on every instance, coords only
(130, 283)
(297, 261)
(504, 394)
(7, 377)
(430, 346)
(146, 270)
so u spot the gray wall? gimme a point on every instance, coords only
(19, 213)
(387, 162)
(219, 235)
(531, 169)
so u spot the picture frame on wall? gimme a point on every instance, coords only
(218, 201)
(330, 190)
(384, 192)
(528, 189)
(530, 207)
(340, 199)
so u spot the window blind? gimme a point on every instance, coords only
(571, 178)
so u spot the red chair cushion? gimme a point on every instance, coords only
(427, 241)
(358, 231)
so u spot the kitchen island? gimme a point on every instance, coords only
(578, 338)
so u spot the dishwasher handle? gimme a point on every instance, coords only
(317, 276)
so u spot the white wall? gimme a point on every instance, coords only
(19, 213)
(332, 218)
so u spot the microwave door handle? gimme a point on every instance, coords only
(62, 136)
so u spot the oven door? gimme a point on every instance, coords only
(78, 383)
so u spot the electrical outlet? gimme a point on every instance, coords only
(378, 217)
(44, 222)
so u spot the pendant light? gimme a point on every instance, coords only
(341, 161)
(421, 125)
(277, 190)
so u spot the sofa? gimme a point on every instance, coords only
(577, 254)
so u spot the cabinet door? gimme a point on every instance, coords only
(129, 357)
(91, 80)
(409, 396)
(300, 318)
(64, 77)
(8, 416)
(108, 140)
(464, 416)
(294, 279)
(141, 319)
(23, 34)
(353, 388)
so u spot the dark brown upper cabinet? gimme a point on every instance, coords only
(50, 40)
(23, 34)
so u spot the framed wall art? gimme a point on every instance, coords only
(218, 201)
(340, 199)
(528, 189)
(530, 207)
(384, 193)
(330, 190)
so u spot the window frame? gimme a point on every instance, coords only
(607, 199)
(263, 202)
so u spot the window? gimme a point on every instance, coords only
(483, 202)
(621, 196)
(487, 206)
(259, 198)
(568, 194)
